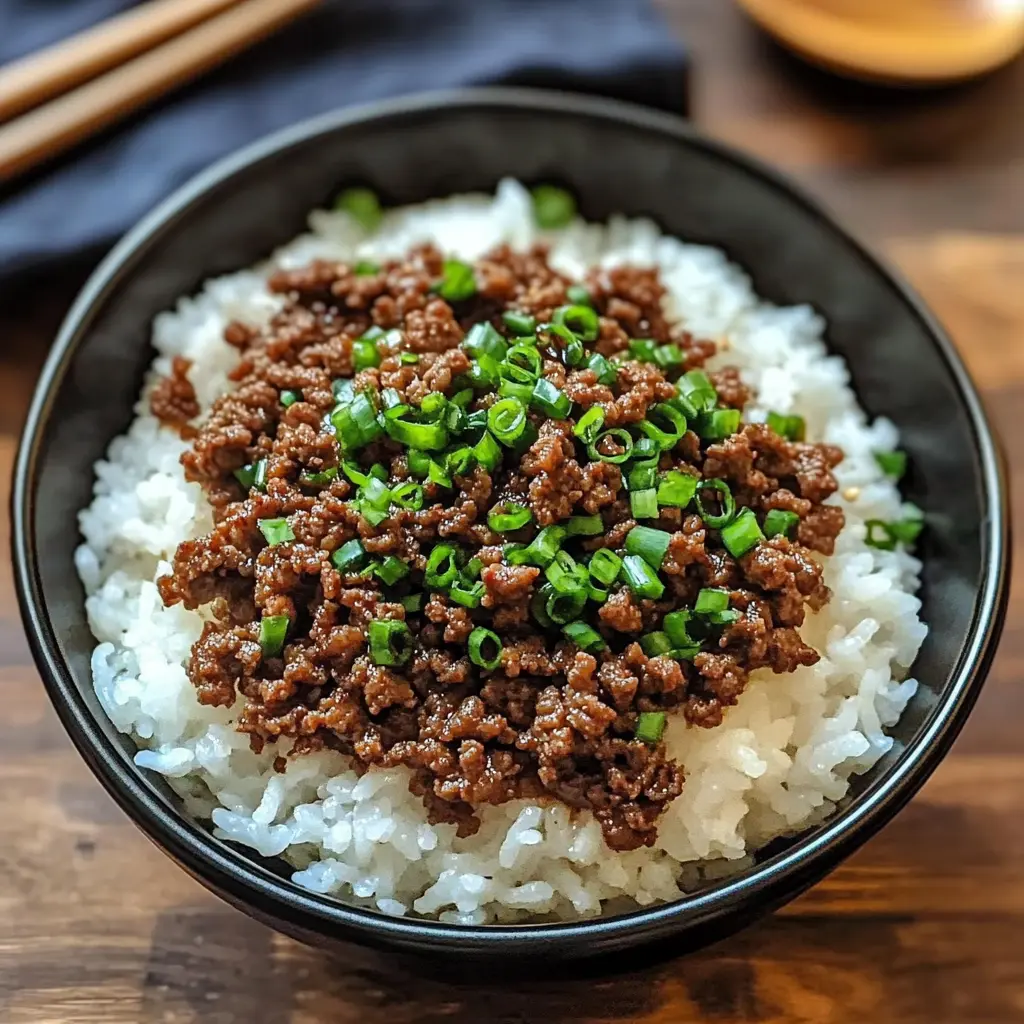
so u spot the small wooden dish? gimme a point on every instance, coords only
(905, 42)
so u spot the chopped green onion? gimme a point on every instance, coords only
(583, 321)
(893, 464)
(538, 605)
(553, 207)
(642, 349)
(696, 391)
(907, 529)
(436, 475)
(356, 423)
(390, 641)
(655, 644)
(390, 399)
(460, 460)
(584, 526)
(507, 420)
(468, 597)
(669, 357)
(585, 637)
(644, 504)
(457, 283)
(718, 424)
(342, 387)
(362, 205)
(515, 554)
(562, 606)
(521, 391)
(321, 479)
(527, 361)
(487, 452)
(259, 480)
(412, 602)
(375, 494)
(365, 267)
(374, 516)
(513, 517)
(605, 565)
(353, 472)
(549, 400)
(350, 557)
(543, 548)
(408, 358)
(645, 450)
(742, 534)
(676, 627)
(563, 573)
(605, 371)
(522, 325)
(650, 544)
(418, 462)
(728, 503)
(578, 295)
(364, 355)
(780, 523)
(725, 618)
(246, 475)
(669, 417)
(575, 354)
(442, 566)
(886, 535)
(640, 577)
(596, 593)
(617, 437)
(289, 398)
(642, 475)
(484, 372)
(677, 489)
(408, 495)
(424, 436)
(392, 569)
(711, 599)
(588, 426)
(273, 630)
(650, 725)
(483, 339)
(276, 531)
(485, 648)
(792, 428)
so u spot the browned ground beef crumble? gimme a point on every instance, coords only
(552, 721)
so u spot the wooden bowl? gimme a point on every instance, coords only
(905, 42)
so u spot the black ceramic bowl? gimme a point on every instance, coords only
(617, 159)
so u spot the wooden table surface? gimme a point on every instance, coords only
(926, 923)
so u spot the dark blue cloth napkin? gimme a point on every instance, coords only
(346, 52)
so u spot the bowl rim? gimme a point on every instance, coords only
(229, 870)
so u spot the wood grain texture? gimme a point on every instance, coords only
(925, 924)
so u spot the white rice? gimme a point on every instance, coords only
(780, 762)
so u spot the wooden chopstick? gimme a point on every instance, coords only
(54, 127)
(39, 76)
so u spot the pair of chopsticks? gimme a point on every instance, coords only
(107, 72)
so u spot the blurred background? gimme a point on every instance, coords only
(901, 116)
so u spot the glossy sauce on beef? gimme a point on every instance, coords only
(552, 721)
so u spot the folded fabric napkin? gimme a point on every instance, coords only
(346, 52)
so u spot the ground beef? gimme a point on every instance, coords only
(550, 719)
(173, 400)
